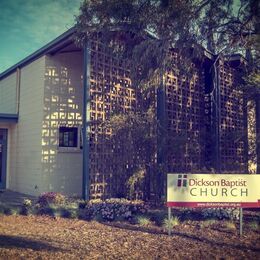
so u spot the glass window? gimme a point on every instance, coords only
(68, 136)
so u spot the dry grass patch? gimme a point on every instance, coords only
(42, 237)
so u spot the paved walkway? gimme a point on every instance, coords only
(13, 199)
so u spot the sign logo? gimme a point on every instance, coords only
(182, 180)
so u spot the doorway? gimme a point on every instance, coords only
(3, 157)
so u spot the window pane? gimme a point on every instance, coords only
(66, 139)
(68, 136)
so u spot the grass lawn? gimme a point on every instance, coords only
(43, 237)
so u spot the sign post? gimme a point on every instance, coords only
(241, 222)
(169, 219)
(213, 191)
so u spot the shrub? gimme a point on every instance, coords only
(111, 209)
(70, 210)
(69, 213)
(98, 218)
(84, 214)
(254, 225)
(221, 213)
(135, 183)
(26, 207)
(158, 216)
(82, 204)
(27, 203)
(11, 211)
(49, 209)
(169, 224)
(190, 213)
(37, 208)
(47, 198)
(54, 204)
(25, 211)
(143, 221)
(230, 225)
(207, 223)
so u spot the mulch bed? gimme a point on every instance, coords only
(42, 237)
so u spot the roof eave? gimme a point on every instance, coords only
(8, 118)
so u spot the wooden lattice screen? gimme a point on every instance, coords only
(232, 121)
(186, 112)
(110, 92)
(185, 117)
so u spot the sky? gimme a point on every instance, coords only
(27, 25)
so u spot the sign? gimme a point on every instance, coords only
(213, 190)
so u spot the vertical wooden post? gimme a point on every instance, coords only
(257, 107)
(216, 115)
(160, 95)
(85, 123)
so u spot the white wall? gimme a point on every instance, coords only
(8, 94)
(63, 94)
(51, 95)
(25, 136)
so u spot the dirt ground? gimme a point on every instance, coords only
(42, 237)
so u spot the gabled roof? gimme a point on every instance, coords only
(58, 43)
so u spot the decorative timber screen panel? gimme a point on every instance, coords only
(187, 104)
(185, 117)
(111, 92)
(232, 121)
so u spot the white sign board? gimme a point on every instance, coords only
(213, 190)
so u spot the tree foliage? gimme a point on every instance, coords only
(144, 31)
(150, 27)
(133, 141)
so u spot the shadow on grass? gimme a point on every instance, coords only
(192, 237)
(134, 228)
(22, 242)
(214, 243)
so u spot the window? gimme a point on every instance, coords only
(70, 139)
(68, 136)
